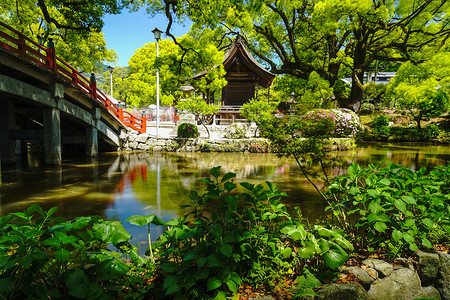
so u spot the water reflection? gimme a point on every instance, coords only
(119, 186)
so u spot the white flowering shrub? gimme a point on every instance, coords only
(339, 122)
(347, 122)
(236, 131)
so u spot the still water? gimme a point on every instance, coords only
(119, 186)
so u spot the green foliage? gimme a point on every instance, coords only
(199, 107)
(381, 128)
(73, 25)
(339, 37)
(258, 111)
(187, 130)
(423, 88)
(375, 92)
(46, 256)
(229, 238)
(367, 108)
(389, 207)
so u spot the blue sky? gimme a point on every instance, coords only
(129, 31)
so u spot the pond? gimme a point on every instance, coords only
(118, 186)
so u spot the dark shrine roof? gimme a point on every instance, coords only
(238, 54)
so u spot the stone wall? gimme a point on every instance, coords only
(427, 277)
(145, 142)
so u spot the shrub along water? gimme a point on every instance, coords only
(389, 208)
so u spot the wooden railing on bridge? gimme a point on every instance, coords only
(17, 42)
(229, 114)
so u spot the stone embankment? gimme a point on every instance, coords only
(427, 277)
(148, 143)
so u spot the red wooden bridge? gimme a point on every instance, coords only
(46, 101)
(16, 42)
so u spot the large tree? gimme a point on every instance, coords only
(176, 68)
(75, 26)
(324, 36)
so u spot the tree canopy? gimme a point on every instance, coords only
(327, 37)
(423, 88)
(176, 68)
(75, 26)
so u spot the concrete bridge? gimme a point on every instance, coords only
(45, 101)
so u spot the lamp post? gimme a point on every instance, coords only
(111, 69)
(157, 34)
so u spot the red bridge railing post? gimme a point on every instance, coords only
(144, 125)
(51, 55)
(93, 86)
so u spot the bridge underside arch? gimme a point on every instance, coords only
(45, 114)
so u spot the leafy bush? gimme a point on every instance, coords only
(258, 111)
(187, 130)
(44, 256)
(380, 128)
(230, 238)
(389, 207)
(236, 131)
(367, 108)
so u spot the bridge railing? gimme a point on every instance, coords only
(17, 42)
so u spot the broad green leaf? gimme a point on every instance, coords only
(308, 250)
(215, 172)
(401, 206)
(428, 222)
(409, 199)
(170, 281)
(380, 226)
(236, 278)
(385, 182)
(62, 254)
(286, 252)
(221, 295)
(397, 235)
(214, 260)
(408, 238)
(247, 185)
(229, 186)
(427, 243)
(140, 220)
(190, 256)
(77, 283)
(213, 283)
(270, 186)
(232, 286)
(335, 257)
(375, 207)
(226, 250)
(354, 190)
(373, 193)
(228, 176)
(324, 231)
(111, 232)
(344, 243)
(413, 247)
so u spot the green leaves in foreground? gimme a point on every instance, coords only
(231, 236)
(393, 206)
(46, 256)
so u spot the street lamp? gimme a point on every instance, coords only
(111, 69)
(157, 34)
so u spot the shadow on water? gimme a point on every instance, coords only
(119, 186)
